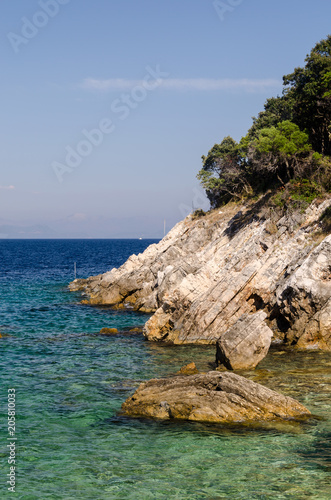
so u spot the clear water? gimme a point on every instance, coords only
(72, 443)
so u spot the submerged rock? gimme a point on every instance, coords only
(108, 331)
(211, 397)
(245, 344)
(189, 369)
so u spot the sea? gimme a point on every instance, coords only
(69, 439)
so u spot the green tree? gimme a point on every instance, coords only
(289, 140)
(276, 109)
(224, 153)
(280, 151)
(223, 175)
(308, 89)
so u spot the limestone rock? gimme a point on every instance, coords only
(211, 397)
(108, 331)
(304, 300)
(245, 344)
(317, 332)
(209, 272)
(189, 369)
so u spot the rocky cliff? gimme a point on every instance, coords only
(211, 272)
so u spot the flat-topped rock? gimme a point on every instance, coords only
(211, 397)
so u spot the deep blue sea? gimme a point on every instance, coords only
(71, 441)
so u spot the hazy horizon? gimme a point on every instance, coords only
(109, 106)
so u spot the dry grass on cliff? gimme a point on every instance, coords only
(270, 207)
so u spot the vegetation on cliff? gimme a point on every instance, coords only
(287, 148)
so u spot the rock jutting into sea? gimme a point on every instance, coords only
(210, 274)
(211, 397)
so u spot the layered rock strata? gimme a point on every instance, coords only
(209, 273)
(245, 344)
(211, 397)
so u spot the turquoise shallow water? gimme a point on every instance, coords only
(72, 443)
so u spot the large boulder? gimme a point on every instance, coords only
(211, 397)
(245, 344)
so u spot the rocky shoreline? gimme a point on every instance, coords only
(240, 278)
(209, 273)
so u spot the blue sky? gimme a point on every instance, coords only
(81, 71)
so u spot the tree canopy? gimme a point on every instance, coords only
(290, 139)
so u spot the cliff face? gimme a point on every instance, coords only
(209, 272)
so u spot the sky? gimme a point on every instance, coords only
(108, 105)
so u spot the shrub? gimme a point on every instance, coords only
(198, 213)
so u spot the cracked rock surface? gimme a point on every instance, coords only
(245, 344)
(211, 397)
(209, 273)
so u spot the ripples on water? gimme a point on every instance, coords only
(70, 384)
